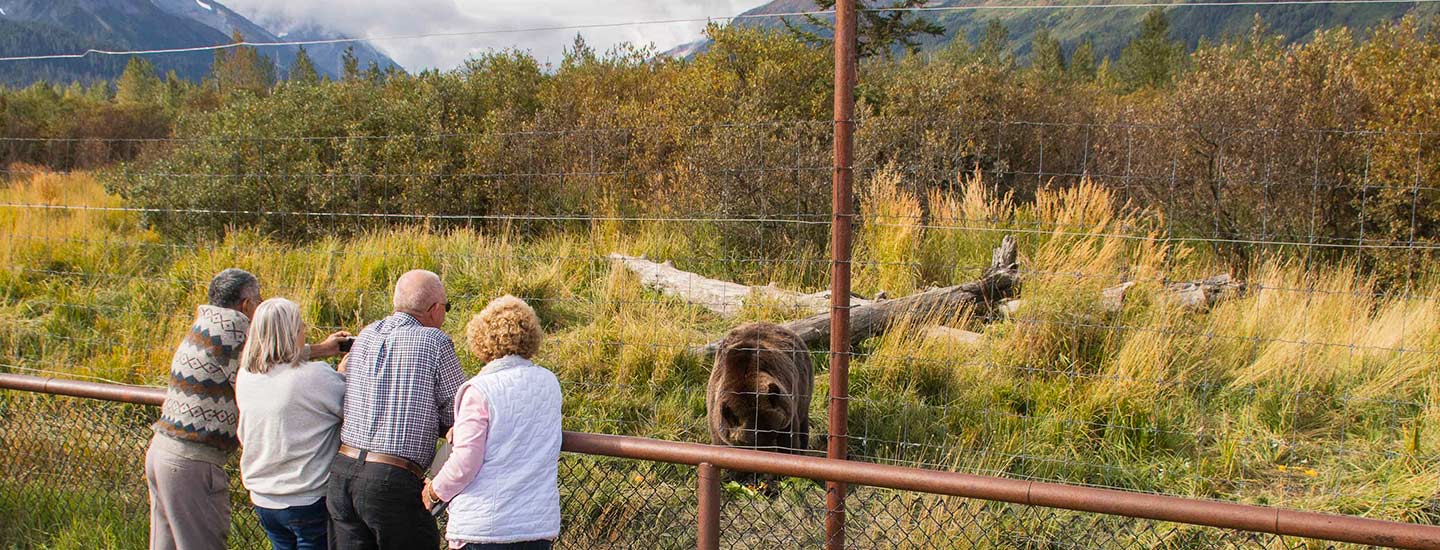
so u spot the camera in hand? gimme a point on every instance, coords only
(344, 344)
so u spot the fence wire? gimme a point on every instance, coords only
(72, 475)
(1306, 380)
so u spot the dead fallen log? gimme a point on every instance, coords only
(722, 297)
(1000, 281)
(951, 334)
(1204, 294)
(1198, 296)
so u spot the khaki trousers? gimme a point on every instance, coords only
(189, 502)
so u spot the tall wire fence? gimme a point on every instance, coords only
(1230, 312)
(1297, 377)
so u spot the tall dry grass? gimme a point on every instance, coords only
(1315, 389)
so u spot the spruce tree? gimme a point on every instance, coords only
(1082, 61)
(1046, 58)
(303, 70)
(350, 65)
(242, 68)
(1152, 59)
(877, 31)
(139, 84)
(994, 48)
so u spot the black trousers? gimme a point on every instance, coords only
(377, 506)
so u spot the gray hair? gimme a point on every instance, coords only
(232, 286)
(417, 290)
(274, 336)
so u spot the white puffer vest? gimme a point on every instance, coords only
(516, 496)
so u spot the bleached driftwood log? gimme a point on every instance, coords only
(998, 282)
(1204, 294)
(989, 297)
(722, 297)
(956, 335)
(1198, 296)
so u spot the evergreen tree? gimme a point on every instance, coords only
(373, 73)
(1105, 74)
(242, 68)
(176, 90)
(877, 31)
(1046, 58)
(958, 51)
(138, 84)
(1152, 59)
(994, 46)
(75, 90)
(350, 64)
(303, 70)
(98, 93)
(1082, 61)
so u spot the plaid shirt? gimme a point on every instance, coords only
(400, 389)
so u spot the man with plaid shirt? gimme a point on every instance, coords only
(401, 378)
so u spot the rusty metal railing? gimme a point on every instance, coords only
(709, 460)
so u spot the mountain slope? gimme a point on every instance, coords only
(327, 57)
(1112, 28)
(37, 27)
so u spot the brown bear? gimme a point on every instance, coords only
(759, 391)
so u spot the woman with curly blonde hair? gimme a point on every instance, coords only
(500, 481)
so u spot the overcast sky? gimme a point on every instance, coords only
(390, 17)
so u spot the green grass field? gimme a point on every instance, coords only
(1315, 390)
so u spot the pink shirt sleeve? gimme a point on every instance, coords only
(467, 450)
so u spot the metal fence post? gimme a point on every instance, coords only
(841, 225)
(708, 511)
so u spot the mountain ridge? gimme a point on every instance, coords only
(1109, 29)
(38, 27)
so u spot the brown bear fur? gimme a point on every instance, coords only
(759, 390)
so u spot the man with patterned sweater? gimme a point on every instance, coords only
(189, 490)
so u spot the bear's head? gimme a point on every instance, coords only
(756, 409)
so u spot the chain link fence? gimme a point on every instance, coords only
(72, 475)
(1211, 295)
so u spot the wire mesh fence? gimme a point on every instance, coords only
(1231, 325)
(1225, 289)
(72, 475)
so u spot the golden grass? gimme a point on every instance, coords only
(1313, 384)
(889, 239)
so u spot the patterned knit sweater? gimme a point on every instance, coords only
(199, 416)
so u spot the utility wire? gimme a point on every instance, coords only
(930, 9)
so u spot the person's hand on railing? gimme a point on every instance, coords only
(428, 498)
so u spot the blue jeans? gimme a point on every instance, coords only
(296, 527)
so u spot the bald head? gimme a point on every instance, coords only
(418, 291)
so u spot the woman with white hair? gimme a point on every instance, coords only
(500, 480)
(289, 427)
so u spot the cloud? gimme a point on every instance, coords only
(401, 17)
